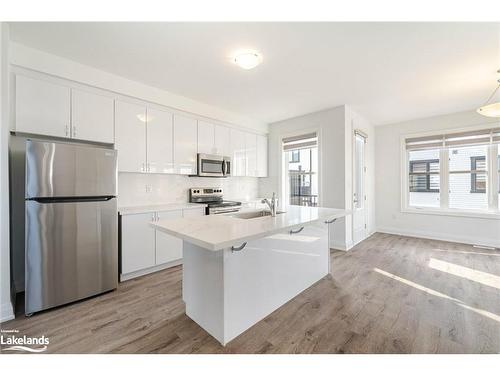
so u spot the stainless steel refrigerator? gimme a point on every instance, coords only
(71, 224)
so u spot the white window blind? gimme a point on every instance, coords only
(469, 138)
(300, 142)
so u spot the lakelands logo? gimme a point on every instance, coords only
(11, 341)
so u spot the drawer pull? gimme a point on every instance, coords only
(296, 231)
(330, 221)
(233, 249)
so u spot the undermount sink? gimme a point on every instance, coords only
(255, 214)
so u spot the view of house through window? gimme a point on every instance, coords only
(424, 181)
(462, 180)
(301, 161)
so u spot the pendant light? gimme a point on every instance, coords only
(491, 109)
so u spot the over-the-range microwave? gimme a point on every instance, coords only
(214, 165)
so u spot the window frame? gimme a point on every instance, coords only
(427, 174)
(493, 211)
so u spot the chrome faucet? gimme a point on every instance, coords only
(272, 204)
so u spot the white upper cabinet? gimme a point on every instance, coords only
(42, 107)
(185, 144)
(160, 152)
(130, 136)
(206, 138)
(261, 156)
(238, 153)
(251, 154)
(91, 117)
(222, 140)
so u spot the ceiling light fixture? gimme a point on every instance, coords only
(248, 59)
(491, 109)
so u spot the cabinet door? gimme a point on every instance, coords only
(168, 248)
(130, 136)
(92, 117)
(222, 141)
(251, 154)
(185, 144)
(194, 212)
(238, 153)
(206, 135)
(261, 156)
(42, 107)
(138, 242)
(160, 152)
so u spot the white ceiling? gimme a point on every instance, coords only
(388, 72)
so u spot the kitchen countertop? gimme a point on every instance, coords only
(129, 210)
(216, 232)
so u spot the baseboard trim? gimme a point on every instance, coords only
(6, 312)
(133, 275)
(439, 236)
(346, 247)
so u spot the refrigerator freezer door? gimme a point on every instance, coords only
(66, 170)
(71, 251)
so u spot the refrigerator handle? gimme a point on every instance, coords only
(71, 199)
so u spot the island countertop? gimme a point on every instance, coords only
(216, 232)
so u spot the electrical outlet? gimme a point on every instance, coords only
(149, 188)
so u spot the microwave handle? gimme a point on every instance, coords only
(224, 167)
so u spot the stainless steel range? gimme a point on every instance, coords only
(213, 197)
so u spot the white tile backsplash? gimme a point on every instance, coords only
(136, 189)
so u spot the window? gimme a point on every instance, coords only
(424, 176)
(301, 156)
(295, 156)
(478, 180)
(461, 174)
(461, 164)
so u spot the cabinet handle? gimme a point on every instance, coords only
(233, 249)
(296, 231)
(330, 221)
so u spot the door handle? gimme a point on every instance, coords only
(330, 221)
(296, 231)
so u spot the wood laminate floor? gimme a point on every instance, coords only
(390, 294)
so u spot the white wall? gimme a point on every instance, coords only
(143, 189)
(389, 217)
(6, 311)
(44, 62)
(335, 128)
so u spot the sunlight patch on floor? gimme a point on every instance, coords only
(481, 277)
(467, 252)
(435, 293)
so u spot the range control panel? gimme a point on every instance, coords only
(198, 195)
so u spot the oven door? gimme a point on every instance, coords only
(210, 165)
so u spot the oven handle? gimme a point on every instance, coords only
(225, 212)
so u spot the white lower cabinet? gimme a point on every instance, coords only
(138, 242)
(144, 249)
(168, 248)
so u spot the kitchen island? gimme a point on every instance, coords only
(238, 269)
